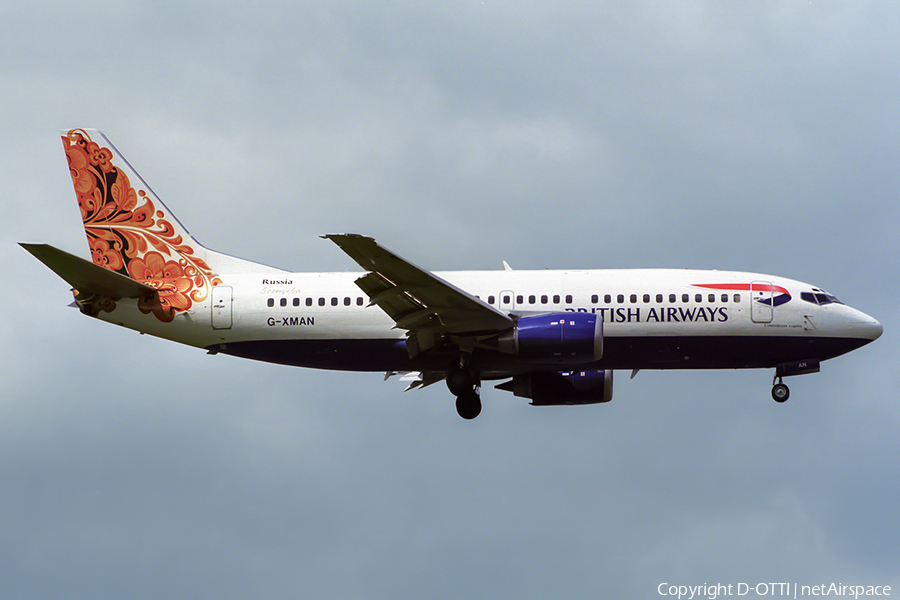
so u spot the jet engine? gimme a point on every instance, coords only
(573, 338)
(563, 387)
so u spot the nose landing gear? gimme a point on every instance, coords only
(780, 392)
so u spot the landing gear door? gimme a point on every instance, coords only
(761, 301)
(221, 307)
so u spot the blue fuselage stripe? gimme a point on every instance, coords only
(698, 352)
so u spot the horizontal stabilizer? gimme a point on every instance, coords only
(86, 277)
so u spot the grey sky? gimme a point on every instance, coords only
(759, 137)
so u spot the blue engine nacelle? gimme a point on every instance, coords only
(564, 387)
(573, 338)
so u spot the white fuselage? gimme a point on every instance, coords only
(652, 318)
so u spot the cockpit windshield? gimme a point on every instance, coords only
(820, 297)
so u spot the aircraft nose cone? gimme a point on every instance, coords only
(867, 328)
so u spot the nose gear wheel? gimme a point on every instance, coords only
(780, 391)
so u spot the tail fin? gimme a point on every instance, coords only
(130, 231)
(125, 220)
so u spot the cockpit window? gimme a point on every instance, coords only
(820, 297)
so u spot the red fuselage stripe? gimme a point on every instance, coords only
(762, 287)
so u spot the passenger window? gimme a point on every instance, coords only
(506, 299)
(737, 298)
(321, 301)
(520, 299)
(607, 299)
(347, 300)
(685, 298)
(359, 301)
(309, 301)
(544, 299)
(646, 298)
(620, 298)
(671, 297)
(659, 298)
(296, 301)
(271, 302)
(724, 297)
(555, 298)
(712, 298)
(698, 297)
(334, 301)
(594, 299)
(532, 299)
(283, 302)
(568, 299)
(633, 298)
(491, 299)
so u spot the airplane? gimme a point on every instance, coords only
(552, 336)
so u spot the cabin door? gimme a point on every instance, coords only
(221, 307)
(761, 301)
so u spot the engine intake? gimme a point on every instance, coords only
(556, 339)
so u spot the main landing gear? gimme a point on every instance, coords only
(465, 387)
(468, 405)
(780, 392)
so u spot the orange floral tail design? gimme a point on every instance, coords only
(131, 232)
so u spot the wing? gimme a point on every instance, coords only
(417, 300)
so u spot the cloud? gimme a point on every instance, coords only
(685, 134)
